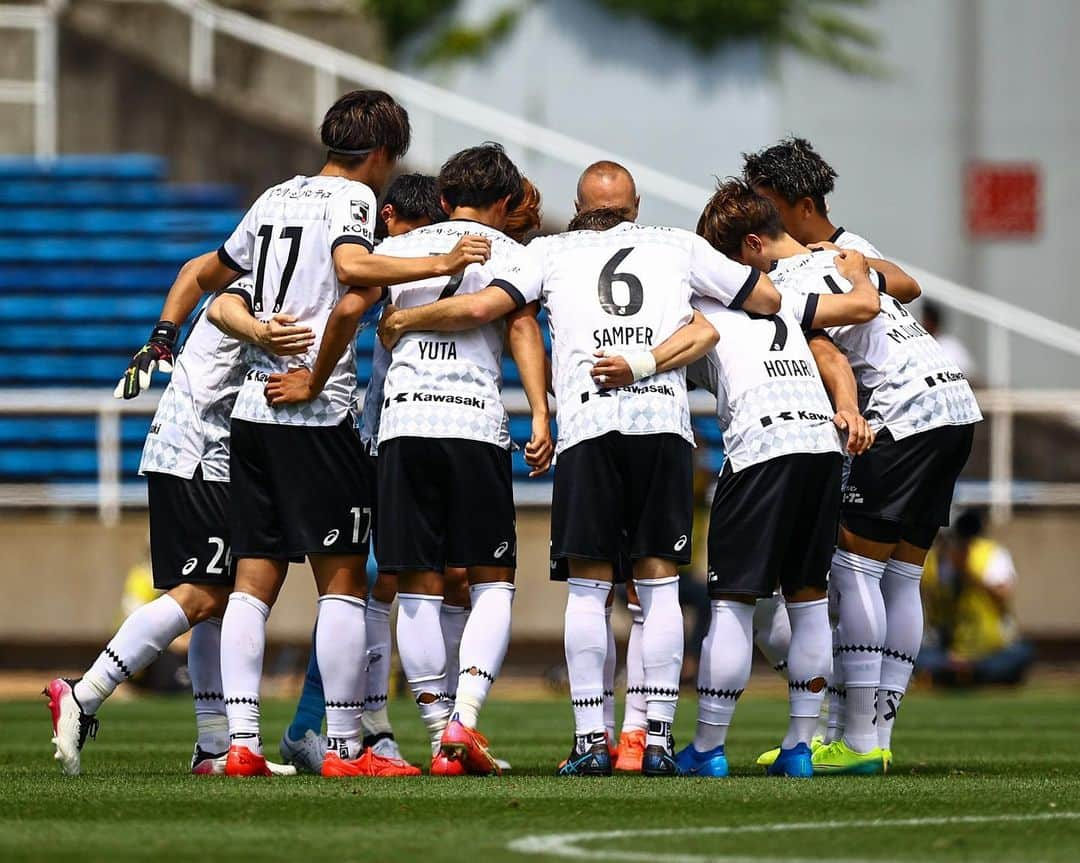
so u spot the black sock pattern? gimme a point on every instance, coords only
(376, 699)
(244, 700)
(473, 671)
(657, 690)
(892, 705)
(635, 690)
(587, 702)
(109, 652)
(857, 648)
(801, 685)
(733, 694)
(609, 693)
(837, 690)
(208, 696)
(344, 705)
(780, 666)
(896, 654)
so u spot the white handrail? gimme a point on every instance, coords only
(39, 91)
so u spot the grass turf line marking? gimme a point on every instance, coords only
(566, 844)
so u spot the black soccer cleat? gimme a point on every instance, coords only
(589, 757)
(659, 760)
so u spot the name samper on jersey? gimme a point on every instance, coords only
(907, 384)
(286, 241)
(627, 288)
(770, 400)
(190, 428)
(447, 385)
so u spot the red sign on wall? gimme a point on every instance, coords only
(1003, 199)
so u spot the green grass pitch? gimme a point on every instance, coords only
(979, 777)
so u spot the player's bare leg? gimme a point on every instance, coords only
(586, 645)
(483, 647)
(139, 641)
(657, 582)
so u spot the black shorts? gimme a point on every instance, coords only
(622, 569)
(907, 483)
(300, 490)
(617, 494)
(189, 531)
(445, 502)
(774, 523)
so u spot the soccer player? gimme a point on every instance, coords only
(624, 463)
(411, 201)
(186, 464)
(777, 501)
(897, 496)
(302, 486)
(797, 180)
(445, 486)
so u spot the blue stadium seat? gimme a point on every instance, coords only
(132, 166)
(53, 307)
(64, 222)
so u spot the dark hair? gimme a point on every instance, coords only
(415, 197)
(969, 524)
(793, 170)
(733, 212)
(361, 122)
(527, 215)
(480, 176)
(599, 219)
(933, 313)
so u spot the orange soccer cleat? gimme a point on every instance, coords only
(443, 766)
(631, 750)
(367, 764)
(241, 761)
(470, 747)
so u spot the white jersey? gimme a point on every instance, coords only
(843, 238)
(620, 290)
(770, 400)
(906, 382)
(191, 425)
(448, 385)
(287, 240)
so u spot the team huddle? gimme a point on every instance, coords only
(845, 428)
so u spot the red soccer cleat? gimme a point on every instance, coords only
(380, 765)
(631, 750)
(241, 761)
(443, 766)
(470, 747)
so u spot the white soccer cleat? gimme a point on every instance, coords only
(503, 764)
(305, 755)
(387, 747)
(71, 726)
(205, 763)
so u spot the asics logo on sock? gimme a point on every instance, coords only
(331, 537)
(680, 544)
(189, 565)
(501, 550)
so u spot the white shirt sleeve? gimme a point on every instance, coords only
(238, 252)
(1000, 570)
(244, 287)
(802, 307)
(522, 275)
(351, 215)
(713, 274)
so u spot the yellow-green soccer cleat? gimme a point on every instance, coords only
(767, 759)
(839, 759)
(886, 758)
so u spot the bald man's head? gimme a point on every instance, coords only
(607, 184)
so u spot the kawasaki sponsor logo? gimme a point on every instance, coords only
(646, 389)
(793, 416)
(444, 398)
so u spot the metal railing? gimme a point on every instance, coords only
(40, 90)
(109, 494)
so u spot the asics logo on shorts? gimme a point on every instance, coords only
(189, 565)
(681, 543)
(501, 550)
(331, 537)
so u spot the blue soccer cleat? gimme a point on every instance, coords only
(589, 757)
(794, 762)
(693, 763)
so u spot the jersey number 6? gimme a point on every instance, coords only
(635, 293)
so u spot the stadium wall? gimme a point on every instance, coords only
(65, 574)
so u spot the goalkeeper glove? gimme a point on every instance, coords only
(156, 354)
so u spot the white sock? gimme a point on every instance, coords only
(809, 663)
(772, 631)
(726, 655)
(377, 684)
(340, 648)
(483, 647)
(452, 620)
(139, 641)
(903, 636)
(585, 642)
(423, 659)
(243, 642)
(634, 708)
(661, 647)
(860, 637)
(609, 678)
(204, 668)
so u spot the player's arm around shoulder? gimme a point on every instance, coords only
(686, 345)
(526, 344)
(861, 304)
(895, 281)
(839, 381)
(231, 312)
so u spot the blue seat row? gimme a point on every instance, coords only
(40, 431)
(59, 250)
(121, 166)
(67, 222)
(67, 278)
(142, 309)
(96, 193)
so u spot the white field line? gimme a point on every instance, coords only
(566, 845)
